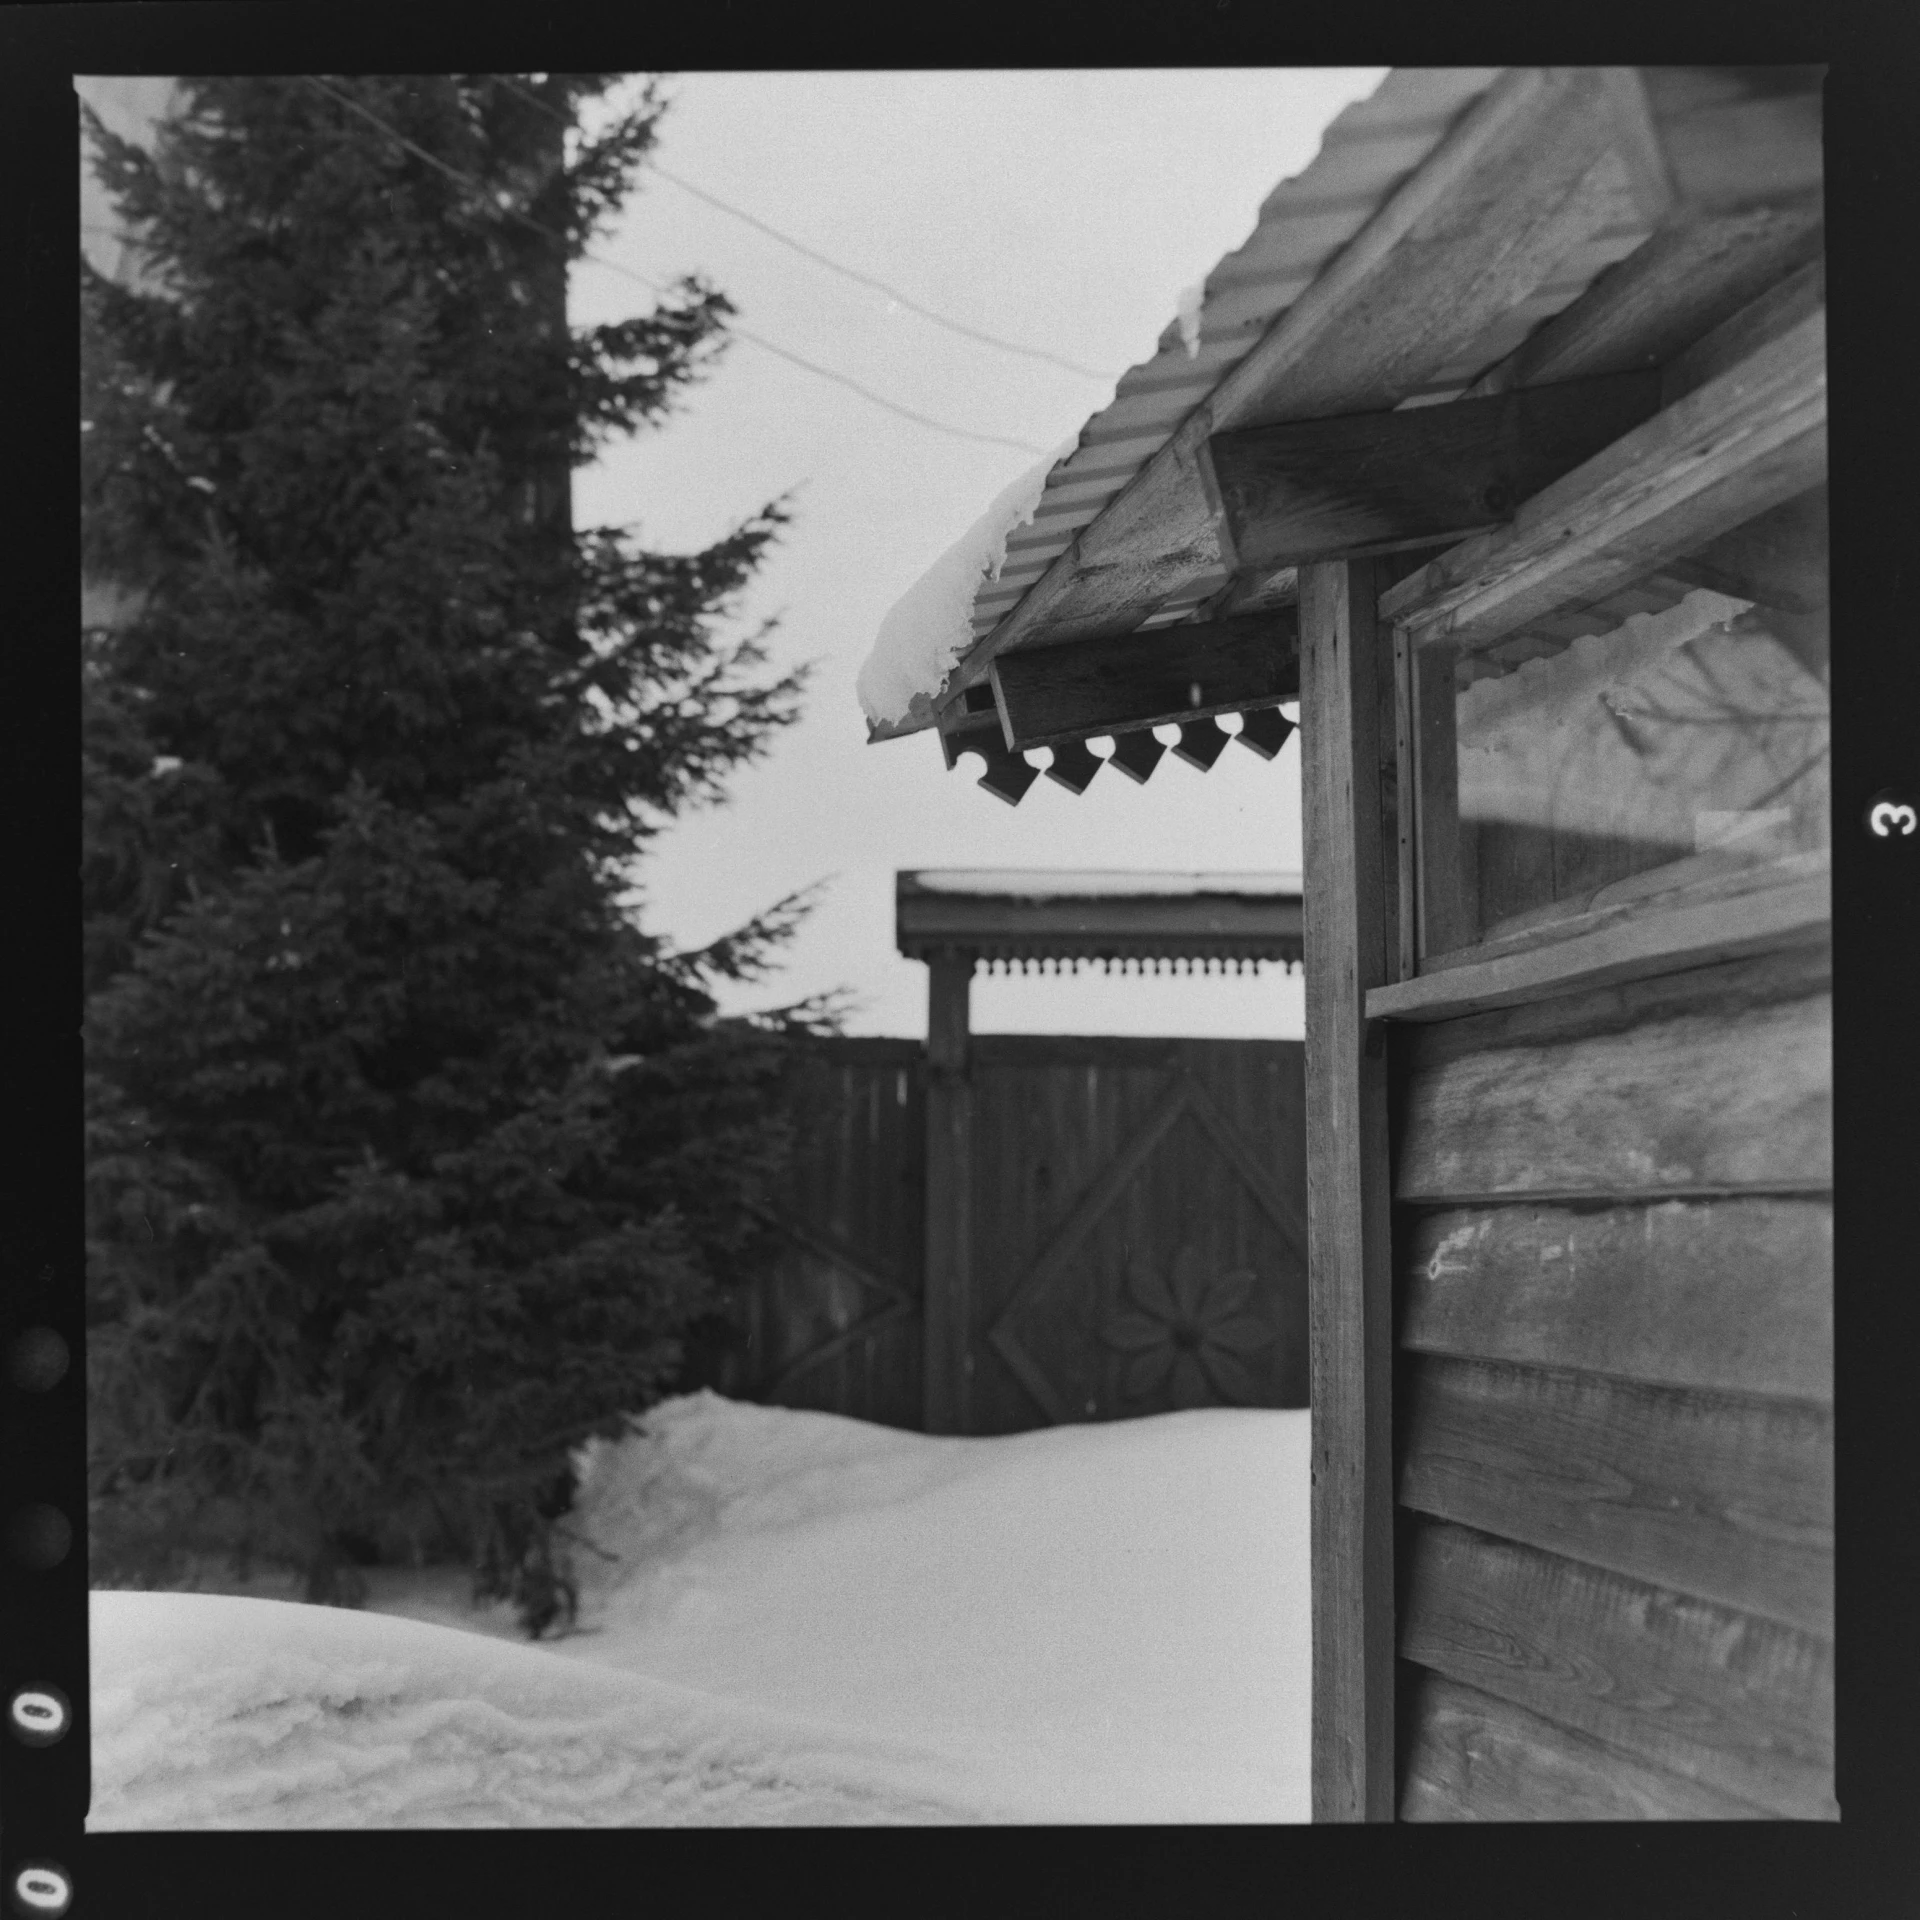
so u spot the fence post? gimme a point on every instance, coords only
(948, 1305)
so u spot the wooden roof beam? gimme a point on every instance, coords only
(1372, 482)
(1749, 439)
(1527, 173)
(1050, 696)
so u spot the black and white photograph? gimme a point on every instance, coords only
(958, 950)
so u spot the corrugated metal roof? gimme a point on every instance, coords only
(1366, 152)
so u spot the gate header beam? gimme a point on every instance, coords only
(1098, 916)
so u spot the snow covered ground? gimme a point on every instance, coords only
(786, 1618)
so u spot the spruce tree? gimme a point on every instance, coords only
(411, 1158)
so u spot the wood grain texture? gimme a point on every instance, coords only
(948, 1264)
(1098, 1162)
(1358, 483)
(1472, 1756)
(1741, 444)
(1705, 1100)
(1625, 946)
(832, 1323)
(1346, 662)
(1667, 293)
(1734, 1295)
(1723, 1497)
(1051, 695)
(1733, 1703)
(1519, 181)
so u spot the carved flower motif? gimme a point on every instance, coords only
(1188, 1330)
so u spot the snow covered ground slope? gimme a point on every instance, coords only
(787, 1618)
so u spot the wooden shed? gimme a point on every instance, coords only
(1501, 448)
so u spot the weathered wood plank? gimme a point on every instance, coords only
(1360, 483)
(1735, 447)
(1345, 657)
(1703, 1101)
(948, 1267)
(1734, 1295)
(1627, 945)
(1684, 281)
(1733, 1703)
(1474, 1757)
(1048, 696)
(1777, 559)
(1727, 1498)
(1776, 310)
(1520, 180)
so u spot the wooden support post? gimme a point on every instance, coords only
(1350, 863)
(948, 1306)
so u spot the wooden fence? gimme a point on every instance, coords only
(1136, 1235)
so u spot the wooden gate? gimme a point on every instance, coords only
(1136, 1239)
(1139, 1236)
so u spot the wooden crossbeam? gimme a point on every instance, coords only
(1049, 696)
(1366, 483)
(1744, 442)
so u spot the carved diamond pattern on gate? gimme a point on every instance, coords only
(1185, 1098)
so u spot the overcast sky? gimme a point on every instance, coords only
(1063, 210)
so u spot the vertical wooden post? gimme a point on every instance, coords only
(1351, 860)
(948, 1305)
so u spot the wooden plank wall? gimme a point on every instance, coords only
(1078, 1172)
(1613, 1415)
(853, 1199)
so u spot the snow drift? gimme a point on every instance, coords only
(788, 1618)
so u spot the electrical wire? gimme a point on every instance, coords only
(615, 266)
(833, 266)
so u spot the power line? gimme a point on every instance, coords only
(834, 266)
(615, 266)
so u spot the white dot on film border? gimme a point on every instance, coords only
(39, 1713)
(39, 1886)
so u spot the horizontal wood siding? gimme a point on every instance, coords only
(1704, 1101)
(1710, 1494)
(1613, 1425)
(1472, 1756)
(1735, 1703)
(1732, 1294)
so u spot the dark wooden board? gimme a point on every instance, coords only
(1748, 440)
(833, 1324)
(1346, 667)
(1051, 695)
(1738, 1704)
(1704, 1100)
(1724, 1497)
(1677, 286)
(1095, 1160)
(1735, 1295)
(1357, 483)
(1471, 1756)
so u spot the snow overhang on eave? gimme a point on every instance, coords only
(1417, 260)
